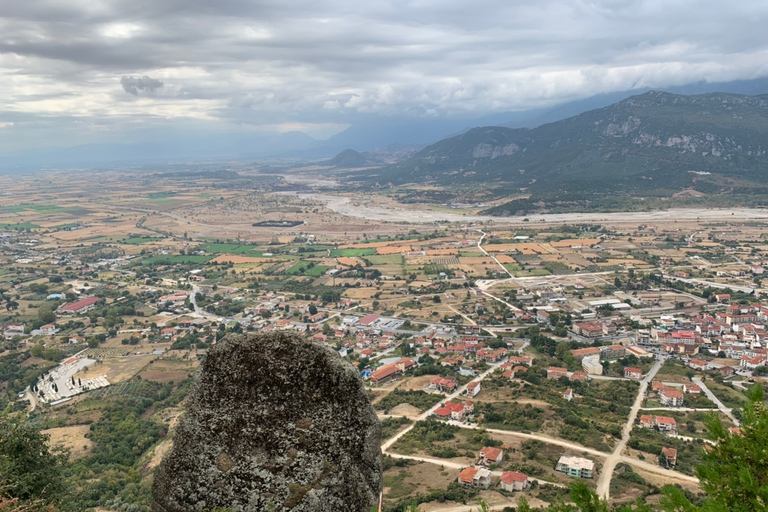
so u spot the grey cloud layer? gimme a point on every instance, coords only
(134, 84)
(278, 62)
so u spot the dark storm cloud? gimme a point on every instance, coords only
(134, 84)
(272, 62)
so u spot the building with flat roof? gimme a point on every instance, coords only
(575, 467)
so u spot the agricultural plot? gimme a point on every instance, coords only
(337, 253)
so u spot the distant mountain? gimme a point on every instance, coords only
(654, 144)
(573, 108)
(348, 159)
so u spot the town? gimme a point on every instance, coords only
(505, 358)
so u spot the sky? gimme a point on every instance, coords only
(85, 71)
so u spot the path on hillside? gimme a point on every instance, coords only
(604, 482)
(728, 412)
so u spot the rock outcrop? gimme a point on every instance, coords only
(275, 422)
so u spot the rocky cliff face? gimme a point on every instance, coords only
(276, 423)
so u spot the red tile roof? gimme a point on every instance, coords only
(81, 304)
(509, 477)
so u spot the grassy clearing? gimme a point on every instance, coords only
(302, 269)
(391, 426)
(731, 397)
(335, 253)
(218, 248)
(19, 225)
(419, 399)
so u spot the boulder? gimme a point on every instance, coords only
(274, 422)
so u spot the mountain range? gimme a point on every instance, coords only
(384, 139)
(655, 144)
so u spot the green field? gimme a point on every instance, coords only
(336, 253)
(39, 208)
(215, 248)
(315, 271)
(19, 225)
(388, 259)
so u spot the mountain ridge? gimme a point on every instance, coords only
(655, 143)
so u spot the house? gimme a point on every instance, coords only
(671, 398)
(542, 317)
(723, 298)
(646, 421)
(698, 364)
(666, 424)
(475, 477)
(452, 410)
(568, 395)
(74, 340)
(490, 455)
(575, 467)
(553, 372)
(473, 388)
(168, 332)
(752, 362)
(80, 307)
(521, 360)
(445, 384)
(48, 329)
(633, 373)
(514, 481)
(725, 371)
(669, 455)
(691, 389)
(579, 376)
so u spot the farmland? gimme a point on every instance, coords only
(177, 266)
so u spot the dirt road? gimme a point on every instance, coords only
(604, 482)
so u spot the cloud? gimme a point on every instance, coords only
(134, 84)
(272, 63)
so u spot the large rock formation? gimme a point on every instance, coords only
(275, 422)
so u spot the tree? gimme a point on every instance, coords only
(734, 473)
(312, 309)
(46, 315)
(29, 469)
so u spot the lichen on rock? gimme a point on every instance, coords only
(274, 422)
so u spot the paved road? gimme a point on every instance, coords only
(604, 482)
(728, 412)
